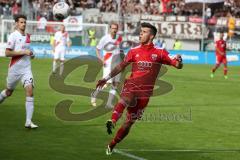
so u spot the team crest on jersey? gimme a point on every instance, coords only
(154, 57)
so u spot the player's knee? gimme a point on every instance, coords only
(129, 102)
(128, 124)
(29, 90)
(29, 93)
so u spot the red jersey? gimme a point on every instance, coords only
(221, 46)
(146, 63)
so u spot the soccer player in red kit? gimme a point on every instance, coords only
(146, 62)
(220, 56)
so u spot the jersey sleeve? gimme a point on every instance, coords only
(129, 57)
(165, 59)
(11, 42)
(101, 44)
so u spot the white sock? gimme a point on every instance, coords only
(29, 109)
(61, 68)
(3, 95)
(95, 93)
(54, 66)
(111, 96)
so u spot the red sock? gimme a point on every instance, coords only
(215, 68)
(121, 134)
(225, 71)
(117, 112)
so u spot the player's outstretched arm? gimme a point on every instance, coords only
(11, 53)
(98, 55)
(119, 68)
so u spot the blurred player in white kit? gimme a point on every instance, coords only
(18, 48)
(112, 56)
(61, 42)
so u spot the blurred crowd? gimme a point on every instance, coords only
(43, 8)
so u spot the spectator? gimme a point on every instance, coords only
(177, 45)
(6, 10)
(15, 9)
(1, 9)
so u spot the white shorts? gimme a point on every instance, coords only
(25, 78)
(60, 53)
(107, 70)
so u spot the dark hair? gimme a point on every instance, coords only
(152, 28)
(17, 17)
(113, 23)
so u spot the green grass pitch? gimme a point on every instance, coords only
(207, 129)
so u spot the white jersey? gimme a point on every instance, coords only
(110, 47)
(61, 39)
(18, 42)
(111, 55)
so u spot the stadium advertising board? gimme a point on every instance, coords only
(181, 30)
(211, 21)
(204, 1)
(195, 57)
(189, 57)
(45, 51)
(73, 23)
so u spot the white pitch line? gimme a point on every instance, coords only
(128, 155)
(180, 150)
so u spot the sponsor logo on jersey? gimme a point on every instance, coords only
(154, 57)
(144, 64)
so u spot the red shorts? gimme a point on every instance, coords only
(221, 59)
(136, 112)
(131, 89)
(139, 96)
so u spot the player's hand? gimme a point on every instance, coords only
(28, 52)
(179, 58)
(179, 64)
(101, 83)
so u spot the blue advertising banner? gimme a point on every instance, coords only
(189, 57)
(45, 51)
(194, 57)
